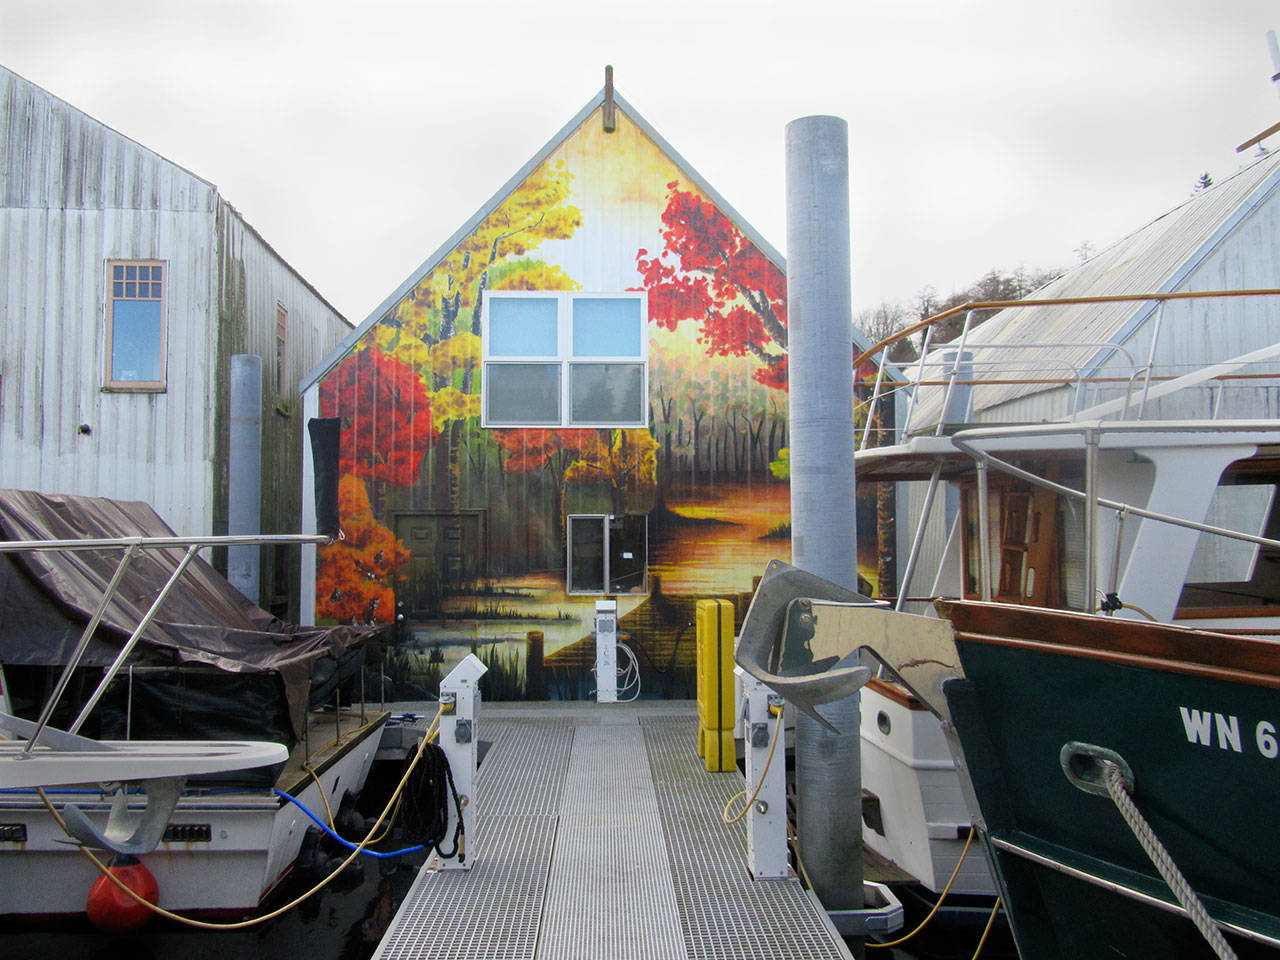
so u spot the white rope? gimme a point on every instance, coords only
(1164, 863)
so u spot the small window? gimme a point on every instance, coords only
(607, 554)
(135, 345)
(565, 360)
(282, 350)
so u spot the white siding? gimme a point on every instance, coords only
(77, 194)
(73, 195)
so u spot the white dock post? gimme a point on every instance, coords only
(767, 818)
(460, 697)
(606, 651)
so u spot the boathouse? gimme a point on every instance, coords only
(128, 285)
(581, 394)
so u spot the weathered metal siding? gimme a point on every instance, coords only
(76, 194)
(1194, 333)
(253, 283)
(1223, 238)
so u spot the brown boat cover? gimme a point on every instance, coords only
(47, 598)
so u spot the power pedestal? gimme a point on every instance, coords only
(606, 651)
(460, 701)
(766, 755)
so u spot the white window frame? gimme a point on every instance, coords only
(603, 519)
(136, 386)
(565, 358)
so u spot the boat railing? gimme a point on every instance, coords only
(131, 546)
(968, 442)
(953, 365)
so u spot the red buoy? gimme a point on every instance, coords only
(112, 910)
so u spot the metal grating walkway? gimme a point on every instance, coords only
(599, 835)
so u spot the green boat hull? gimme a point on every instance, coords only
(1201, 740)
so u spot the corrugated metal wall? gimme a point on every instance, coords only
(75, 195)
(254, 284)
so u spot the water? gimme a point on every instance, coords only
(345, 921)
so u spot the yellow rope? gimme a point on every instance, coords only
(795, 848)
(777, 712)
(942, 896)
(995, 908)
(327, 811)
(241, 924)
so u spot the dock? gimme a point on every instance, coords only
(599, 833)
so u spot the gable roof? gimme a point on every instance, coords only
(1158, 258)
(73, 176)
(565, 132)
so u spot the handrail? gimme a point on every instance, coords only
(928, 322)
(929, 356)
(131, 546)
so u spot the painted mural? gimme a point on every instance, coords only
(459, 534)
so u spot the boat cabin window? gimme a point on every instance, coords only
(1035, 540)
(1231, 577)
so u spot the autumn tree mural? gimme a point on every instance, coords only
(710, 274)
(356, 576)
(436, 328)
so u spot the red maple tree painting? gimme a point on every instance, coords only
(709, 273)
(386, 416)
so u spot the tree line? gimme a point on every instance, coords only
(889, 317)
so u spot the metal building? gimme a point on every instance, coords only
(1123, 360)
(1226, 237)
(128, 285)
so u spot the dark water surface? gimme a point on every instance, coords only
(344, 921)
(348, 918)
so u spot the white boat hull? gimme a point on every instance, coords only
(925, 820)
(253, 841)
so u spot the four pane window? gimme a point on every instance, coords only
(565, 360)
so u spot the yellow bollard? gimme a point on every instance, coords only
(715, 684)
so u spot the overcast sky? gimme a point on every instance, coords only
(357, 136)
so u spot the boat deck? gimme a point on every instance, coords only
(330, 736)
(599, 834)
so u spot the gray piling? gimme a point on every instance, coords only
(823, 497)
(244, 469)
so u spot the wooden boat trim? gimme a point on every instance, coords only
(1114, 887)
(1202, 653)
(898, 694)
(1224, 613)
(1128, 660)
(321, 760)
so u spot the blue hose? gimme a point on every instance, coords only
(346, 843)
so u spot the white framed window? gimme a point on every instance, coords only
(554, 359)
(607, 553)
(135, 342)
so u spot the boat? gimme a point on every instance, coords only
(1059, 473)
(1120, 772)
(206, 739)
(1123, 501)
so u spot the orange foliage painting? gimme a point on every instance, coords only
(386, 416)
(356, 575)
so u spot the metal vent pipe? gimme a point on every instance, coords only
(823, 528)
